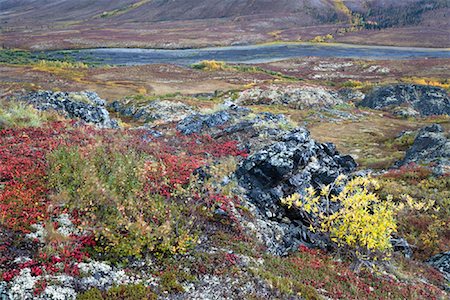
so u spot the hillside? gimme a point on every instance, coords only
(44, 24)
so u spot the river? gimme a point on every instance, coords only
(245, 54)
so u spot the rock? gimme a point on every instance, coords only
(441, 262)
(195, 123)
(432, 147)
(286, 167)
(419, 99)
(158, 110)
(86, 106)
(299, 97)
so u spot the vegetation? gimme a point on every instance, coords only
(21, 115)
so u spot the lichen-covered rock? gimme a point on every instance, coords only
(291, 165)
(432, 147)
(441, 262)
(419, 99)
(158, 110)
(299, 97)
(197, 122)
(86, 106)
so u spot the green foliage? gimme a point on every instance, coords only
(123, 292)
(106, 186)
(20, 115)
(427, 228)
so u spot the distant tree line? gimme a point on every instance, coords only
(378, 17)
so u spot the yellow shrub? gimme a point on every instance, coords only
(211, 65)
(363, 223)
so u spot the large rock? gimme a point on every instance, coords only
(158, 110)
(87, 106)
(431, 147)
(441, 262)
(299, 97)
(409, 99)
(291, 165)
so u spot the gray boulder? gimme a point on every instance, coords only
(432, 147)
(409, 99)
(86, 106)
(158, 110)
(197, 122)
(295, 96)
(441, 262)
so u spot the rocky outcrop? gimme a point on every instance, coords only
(431, 147)
(158, 110)
(86, 106)
(409, 100)
(286, 167)
(441, 262)
(298, 97)
(283, 160)
(197, 122)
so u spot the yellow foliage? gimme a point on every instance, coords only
(443, 83)
(211, 65)
(363, 223)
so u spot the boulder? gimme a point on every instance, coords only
(290, 166)
(158, 110)
(409, 99)
(86, 106)
(432, 147)
(197, 122)
(298, 97)
(441, 262)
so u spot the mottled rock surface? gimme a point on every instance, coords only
(431, 147)
(299, 97)
(409, 99)
(158, 110)
(442, 263)
(86, 106)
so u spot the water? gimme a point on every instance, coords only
(245, 54)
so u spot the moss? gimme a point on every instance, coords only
(123, 292)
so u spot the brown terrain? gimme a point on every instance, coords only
(40, 24)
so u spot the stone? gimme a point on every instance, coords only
(286, 167)
(197, 122)
(409, 99)
(86, 106)
(158, 110)
(441, 262)
(295, 96)
(432, 147)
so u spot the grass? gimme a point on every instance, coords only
(212, 65)
(19, 115)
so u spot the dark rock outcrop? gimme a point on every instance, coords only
(431, 147)
(441, 262)
(197, 122)
(86, 106)
(286, 167)
(409, 99)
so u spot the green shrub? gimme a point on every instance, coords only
(20, 115)
(107, 186)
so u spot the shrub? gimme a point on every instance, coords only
(107, 187)
(20, 115)
(210, 65)
(362, 225)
